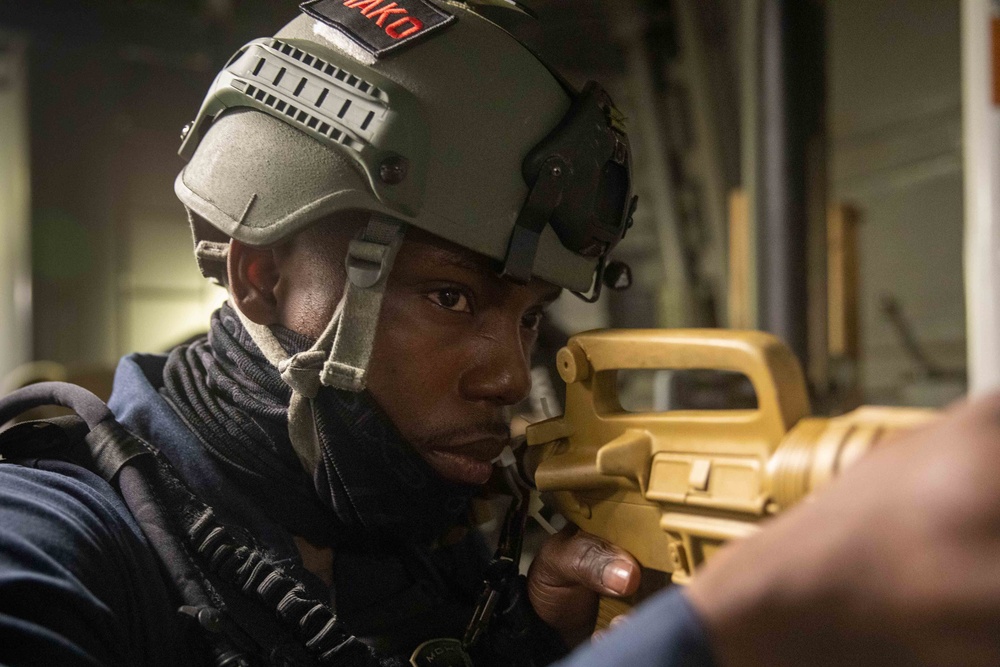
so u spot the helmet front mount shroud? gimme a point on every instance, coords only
(580, 179)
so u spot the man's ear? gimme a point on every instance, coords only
(253, 282)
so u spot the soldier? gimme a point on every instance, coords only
(392, 193)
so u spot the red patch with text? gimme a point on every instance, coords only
(379, 27)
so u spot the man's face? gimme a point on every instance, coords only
(452, 350)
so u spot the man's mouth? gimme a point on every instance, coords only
(469, 462)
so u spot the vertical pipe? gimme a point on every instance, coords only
(777, 233)
(676, 299)
(750, 36)
(791, 99)
(704, 154)
(981, 139)
(15, 213)
(843, 339)
(738, 292)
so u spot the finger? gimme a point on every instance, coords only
(615, 622)
(579, 558)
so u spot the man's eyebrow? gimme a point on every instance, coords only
(459, 261)
(444, 256)
(463, 261)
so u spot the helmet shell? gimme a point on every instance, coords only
(434, 135)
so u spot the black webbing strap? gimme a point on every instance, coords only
(545, 195)
(187, 538)
(112, 447)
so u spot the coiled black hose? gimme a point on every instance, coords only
(92, 409)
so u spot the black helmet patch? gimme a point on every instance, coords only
(380, 27)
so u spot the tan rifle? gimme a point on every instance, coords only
(672, 487)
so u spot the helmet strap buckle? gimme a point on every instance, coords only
(366, 262)
(369, 259)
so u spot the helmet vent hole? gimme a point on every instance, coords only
(321, 65)
(266, 74)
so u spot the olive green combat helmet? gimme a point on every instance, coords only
(420, 112)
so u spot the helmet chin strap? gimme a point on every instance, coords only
(339, 358)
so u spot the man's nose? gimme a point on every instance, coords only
(500, 372)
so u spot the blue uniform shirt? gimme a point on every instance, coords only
(662, 632)
(79, 584)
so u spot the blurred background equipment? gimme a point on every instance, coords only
(758, 126)
(928, 382)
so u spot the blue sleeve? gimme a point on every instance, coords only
(78, 585)
(662, 632)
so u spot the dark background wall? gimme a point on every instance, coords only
(108, 84)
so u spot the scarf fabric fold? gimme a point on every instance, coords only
(370, 487)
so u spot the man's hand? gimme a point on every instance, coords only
(897, 562)
(569, 573)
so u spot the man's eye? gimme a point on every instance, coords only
(532, 320)
(451, 299)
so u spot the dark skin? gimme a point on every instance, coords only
(451, 353)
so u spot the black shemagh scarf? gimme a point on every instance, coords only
(370, 488)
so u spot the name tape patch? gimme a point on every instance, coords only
(379, 26)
